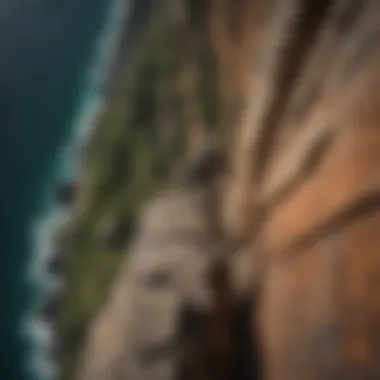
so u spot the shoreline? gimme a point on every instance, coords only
(115, 47)
(38, 332)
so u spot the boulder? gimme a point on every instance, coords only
(50, 308)
(59, 256)
(65, 194)
(207, 163)
(57, 262)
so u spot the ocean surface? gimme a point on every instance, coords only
(53, 59)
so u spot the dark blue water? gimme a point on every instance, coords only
(45, 48)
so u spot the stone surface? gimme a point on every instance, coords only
(155, 324)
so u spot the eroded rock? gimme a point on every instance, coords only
(155, 323)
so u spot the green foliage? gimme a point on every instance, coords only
(128, 158)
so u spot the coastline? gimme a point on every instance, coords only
(115, 48)
(38, 332)
(130, 34)
(122, 165)
(126, 24)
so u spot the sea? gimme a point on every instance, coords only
(54, 56)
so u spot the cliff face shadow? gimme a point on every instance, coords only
(167, 317)
(195, 361)
(246, 363)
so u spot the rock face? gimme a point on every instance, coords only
(154, 325)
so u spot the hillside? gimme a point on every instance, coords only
(186, 75)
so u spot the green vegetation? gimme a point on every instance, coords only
(134, 150)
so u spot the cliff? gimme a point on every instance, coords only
(179, 79)
(174, 310)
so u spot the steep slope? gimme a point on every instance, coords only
(187, 76)
(137, 146)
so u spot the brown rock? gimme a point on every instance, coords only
(155, 324)
(137, 333)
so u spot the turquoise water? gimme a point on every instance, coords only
(46, 50)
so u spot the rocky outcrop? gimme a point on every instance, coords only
(155, 324)
(65, 194)
(165, 269)
(58, 259)
(50, 309)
